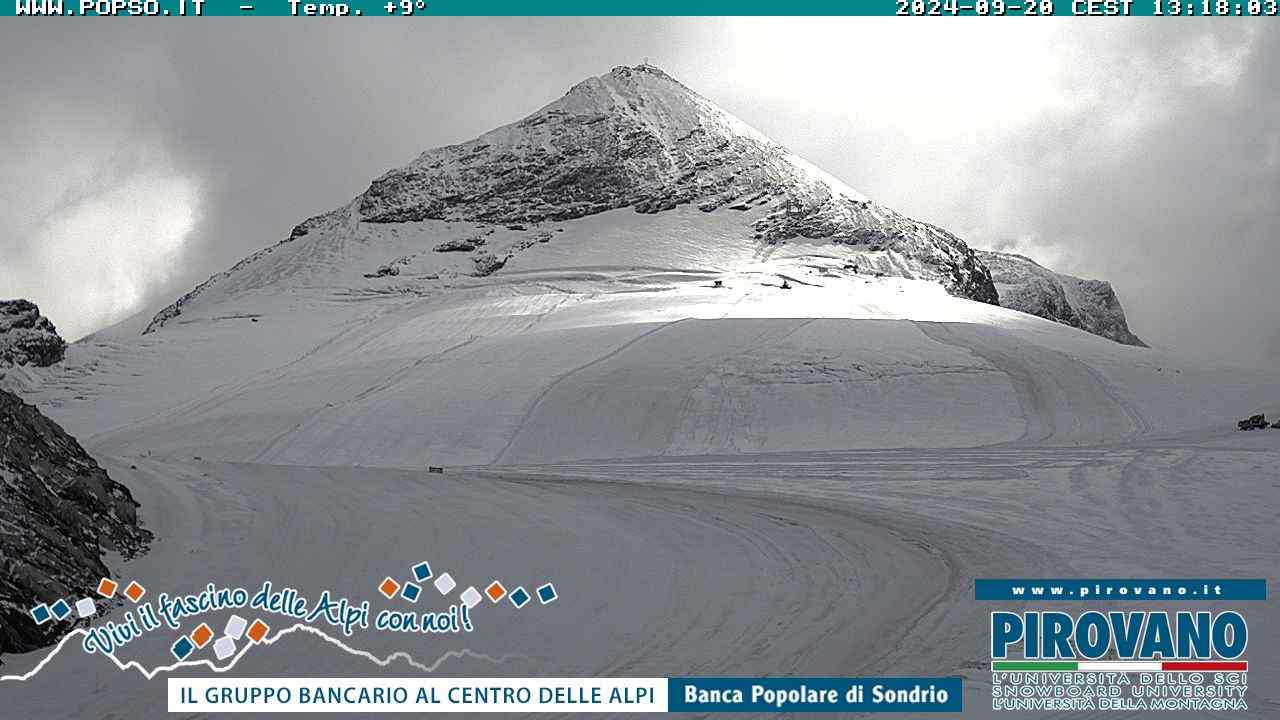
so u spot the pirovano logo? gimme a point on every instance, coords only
(1120, 660)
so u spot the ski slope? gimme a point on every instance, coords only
(819, 563)
(654, 577)
(720, 480)
(539, 363)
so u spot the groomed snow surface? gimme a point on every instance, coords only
(741, 479)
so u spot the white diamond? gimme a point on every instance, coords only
(224, 648)
(235, 627)
(85, 607)
(470, 597)
(445, 583)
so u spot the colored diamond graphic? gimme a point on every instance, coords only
(258, 630)
(135, 591)
(202, 635)
(519, 597)
(182, 648)
(445, 584)
(495, 591)
(224, 648)
(107, 588)
(388, 588)
(60, 609)
(85, 607)
(470, 597)
(41, 614)
(422, 572)
(411, 592)
(547, 593)
(235, 627)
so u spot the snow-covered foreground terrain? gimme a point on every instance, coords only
(845, 563)
(1179, 508)
(732, 480)
(650, 579)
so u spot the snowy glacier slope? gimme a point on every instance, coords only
(587, 351)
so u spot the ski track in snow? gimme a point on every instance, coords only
(533, 406)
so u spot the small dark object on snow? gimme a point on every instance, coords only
(254, 319)
(718, 283)
(435, 469)
(133, 467)
(1254, 422)
(785, 285)
(384, 271)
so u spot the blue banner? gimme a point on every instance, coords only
(1117, 589)
(815, 694)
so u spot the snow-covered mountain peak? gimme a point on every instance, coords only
(627, 169)
(637, 138)
(632, 137)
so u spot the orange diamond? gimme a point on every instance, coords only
(495, 591)
(135, 591)
(258, 630)
(388, 588)
(107, 588)
(201, 635)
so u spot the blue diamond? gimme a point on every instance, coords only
(41, 614)
(411, 592)
(547, 593)
(519, 597)
(60, 609)
(422, 572)
(182, 648)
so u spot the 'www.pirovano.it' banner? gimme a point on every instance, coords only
(563, 695)
(1119, 589)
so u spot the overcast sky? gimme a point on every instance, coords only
(139, 158)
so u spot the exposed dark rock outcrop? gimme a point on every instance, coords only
(27, 337)
(487, 263)
(460, 245)
(59, 512)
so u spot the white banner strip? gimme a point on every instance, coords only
(1117, 666)
(417, 695)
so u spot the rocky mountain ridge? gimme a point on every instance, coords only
(636, 137)
(28, 338)
(1090, 305)
(59, 512)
